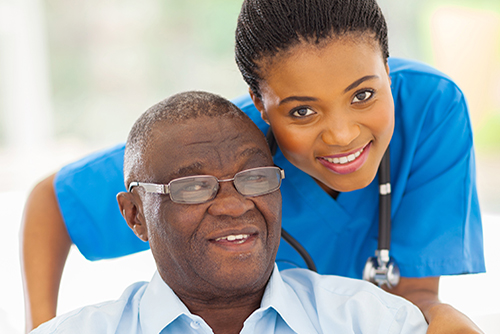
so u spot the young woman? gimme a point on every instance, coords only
(320, 77)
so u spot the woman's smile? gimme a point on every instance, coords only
(346, 163)
(331, 110)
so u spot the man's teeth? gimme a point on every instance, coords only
(346, 159)
(239, 237)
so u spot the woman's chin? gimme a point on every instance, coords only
(346, 185)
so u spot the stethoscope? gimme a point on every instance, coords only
(380, 269)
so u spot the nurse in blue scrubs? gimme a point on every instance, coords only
(335, 101)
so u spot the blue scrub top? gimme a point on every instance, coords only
(436, 223)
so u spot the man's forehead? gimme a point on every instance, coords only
(246, 157)
(199, 146)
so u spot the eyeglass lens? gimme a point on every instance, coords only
(199, 189)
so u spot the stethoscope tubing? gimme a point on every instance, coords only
(384, 226)
(384, 235)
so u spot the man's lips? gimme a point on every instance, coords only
(234, 237)
(347, 162)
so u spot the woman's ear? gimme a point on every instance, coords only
(257, 101)
(131, 209)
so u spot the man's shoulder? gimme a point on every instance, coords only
(346, 302)
(306, 280)
(105, 317)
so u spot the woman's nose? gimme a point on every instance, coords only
(229, 202)
(340, 131)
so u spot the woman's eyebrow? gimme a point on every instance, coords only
(359, 82)
(297, 98)
(309, 99)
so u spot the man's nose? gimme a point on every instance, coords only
(340, 130)
(229, 202)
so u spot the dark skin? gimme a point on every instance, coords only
(442, 318)
(45, 247)
(332, 100)
(423, 292)
(221, 281)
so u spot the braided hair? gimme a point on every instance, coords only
(268, 27)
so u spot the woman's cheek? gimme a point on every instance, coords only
(385, 121)
(295, 145)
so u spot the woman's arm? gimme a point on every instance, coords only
(45, 245)
(442, 318)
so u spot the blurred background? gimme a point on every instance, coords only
(74, 76)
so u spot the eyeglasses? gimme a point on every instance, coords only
(203, 188)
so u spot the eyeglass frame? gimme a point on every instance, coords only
(164, 189)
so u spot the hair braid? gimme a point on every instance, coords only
(267, 27)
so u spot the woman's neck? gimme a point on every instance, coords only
(332, 192)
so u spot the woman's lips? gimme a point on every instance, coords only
(346, 163)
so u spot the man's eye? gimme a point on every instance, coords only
(362, 96)
(196, 186)
(302, 112)
(255, 178)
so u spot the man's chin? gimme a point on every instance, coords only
(233, 285)
(248, 274)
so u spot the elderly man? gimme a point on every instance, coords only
(203, 190)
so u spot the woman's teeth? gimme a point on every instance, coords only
(240, 238)
(346, 159)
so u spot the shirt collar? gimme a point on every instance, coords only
(284, 300)
(160, 306)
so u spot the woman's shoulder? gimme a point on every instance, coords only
(403, 66)
(417, 87)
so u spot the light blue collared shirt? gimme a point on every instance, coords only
(295, 301)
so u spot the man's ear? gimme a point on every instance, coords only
(131, 209)
(257, 101)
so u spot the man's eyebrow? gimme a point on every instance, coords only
(359, 82)
(252, 151)
(191, 169)
(196, 167)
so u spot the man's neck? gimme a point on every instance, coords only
(225, 316)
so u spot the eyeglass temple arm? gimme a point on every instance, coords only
(150, 187)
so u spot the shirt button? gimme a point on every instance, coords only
(195, 324)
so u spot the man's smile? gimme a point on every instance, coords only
(238, 239)
(243, 239)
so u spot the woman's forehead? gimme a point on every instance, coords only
(313, 70)
(365, 40)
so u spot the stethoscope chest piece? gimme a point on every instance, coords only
(381, 269)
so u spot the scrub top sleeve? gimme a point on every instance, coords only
(245, 103)
(86, 193)
(437, 224)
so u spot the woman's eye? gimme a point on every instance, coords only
(302, 112)
(362, 96)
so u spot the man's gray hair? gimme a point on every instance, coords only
(177, 108)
